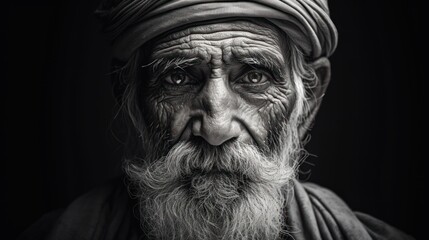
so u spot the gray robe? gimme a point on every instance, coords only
(108, 213)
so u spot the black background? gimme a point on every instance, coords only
(57, 111)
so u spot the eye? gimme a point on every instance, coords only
(177, 77)
(254, 77)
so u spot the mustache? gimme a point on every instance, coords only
(196, 158)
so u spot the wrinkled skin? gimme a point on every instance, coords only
(221, 82)
(219, 135)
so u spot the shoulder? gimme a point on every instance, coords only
(95, 202)
(379, 229)
(88, 216)
(40, 229)
(325, 215)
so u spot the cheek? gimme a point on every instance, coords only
(166, 115)
(278, 105)
(155, 109)
(267, 112)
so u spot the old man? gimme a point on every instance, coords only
(219, 95)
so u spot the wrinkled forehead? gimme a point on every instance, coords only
(252, 26)
(234, 37)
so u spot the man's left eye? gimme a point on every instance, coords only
(177, 77)
(254, 77)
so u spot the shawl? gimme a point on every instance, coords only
(312, 213)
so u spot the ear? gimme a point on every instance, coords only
(118, 86)
(322, 68)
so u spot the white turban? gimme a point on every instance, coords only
(134, 22)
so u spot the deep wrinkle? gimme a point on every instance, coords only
(256, 104)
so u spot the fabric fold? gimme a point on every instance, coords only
(311, 213)
(316, 213)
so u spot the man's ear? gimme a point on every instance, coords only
(118, 86)
(322, 69)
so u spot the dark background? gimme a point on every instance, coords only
(57, 111)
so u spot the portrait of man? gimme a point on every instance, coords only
(211, 106)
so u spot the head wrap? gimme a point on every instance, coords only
(134, 22)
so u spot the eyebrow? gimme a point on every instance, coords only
(162, 65)
(255, 59)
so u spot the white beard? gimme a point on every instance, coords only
(232, 191)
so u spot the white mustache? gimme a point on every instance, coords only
(235, 159)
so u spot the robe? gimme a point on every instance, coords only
(312, 213)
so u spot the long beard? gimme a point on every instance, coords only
(199, 191)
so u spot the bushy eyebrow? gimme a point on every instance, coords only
(162, 65)
(263, 60)
(254, 59)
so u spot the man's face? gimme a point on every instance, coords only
(221, 82)
(217, 101)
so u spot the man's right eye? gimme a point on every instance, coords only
(177, 78)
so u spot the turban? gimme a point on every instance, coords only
(132, 23)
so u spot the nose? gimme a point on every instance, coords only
(217, 107)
